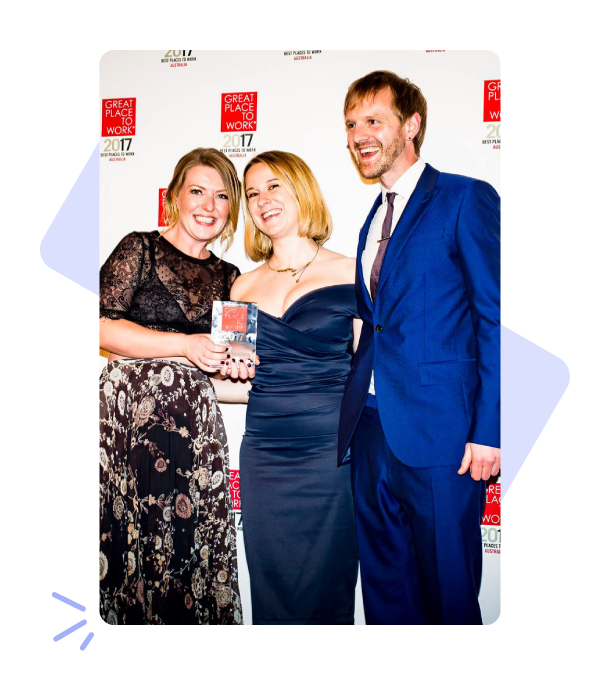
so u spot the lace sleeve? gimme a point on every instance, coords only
(120, 276)
(234, 273)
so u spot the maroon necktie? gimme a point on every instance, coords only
(383, 242)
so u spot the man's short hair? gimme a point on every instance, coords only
(407, 98)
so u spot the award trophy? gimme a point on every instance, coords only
(234, 324)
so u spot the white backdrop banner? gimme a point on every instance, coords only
(157, 105)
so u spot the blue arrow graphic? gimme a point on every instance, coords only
(77, 613)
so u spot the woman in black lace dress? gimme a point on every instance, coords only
(168, 544)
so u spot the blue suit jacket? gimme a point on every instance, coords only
(433, 334)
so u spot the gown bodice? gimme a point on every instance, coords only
(304, 359)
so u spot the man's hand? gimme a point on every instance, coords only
(483, 460)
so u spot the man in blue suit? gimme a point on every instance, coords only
(421, 411)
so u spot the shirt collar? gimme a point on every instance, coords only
(407, 182)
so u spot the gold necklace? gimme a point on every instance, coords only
(300, 270)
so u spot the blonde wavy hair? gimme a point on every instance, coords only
(215, 160)
(314, 221)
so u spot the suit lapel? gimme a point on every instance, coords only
(362, 240)
(412, 214)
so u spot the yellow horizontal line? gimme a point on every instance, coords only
(49, 356)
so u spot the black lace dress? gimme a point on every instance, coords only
(167, 534)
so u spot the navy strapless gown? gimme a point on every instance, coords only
(297, 509)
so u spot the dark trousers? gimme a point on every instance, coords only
(419, 536)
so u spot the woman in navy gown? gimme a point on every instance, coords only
(298, 518)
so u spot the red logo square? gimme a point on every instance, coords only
(238, 111)
(162, 223)
(234, 489)
(540, 100)
(118, 117)
(235, 319)
(491, 515)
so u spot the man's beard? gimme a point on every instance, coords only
(388, 156)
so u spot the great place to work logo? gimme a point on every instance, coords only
(118, 129)
(525, 115)
(162, 223)
(303, 54)
(238, 114)
(234, 493)
(490, 523)
(178, 58)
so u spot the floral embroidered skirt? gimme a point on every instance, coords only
(167, 533)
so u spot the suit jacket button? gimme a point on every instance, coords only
(378, 328)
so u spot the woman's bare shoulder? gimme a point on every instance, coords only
(245, 282)
(347, 269)
(332, 255)
(343, 266)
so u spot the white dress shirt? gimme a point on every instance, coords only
(403, 188)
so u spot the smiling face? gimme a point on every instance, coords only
(376, 137)
(272, 208)
(203, 204)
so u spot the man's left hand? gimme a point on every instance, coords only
(483, 460)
